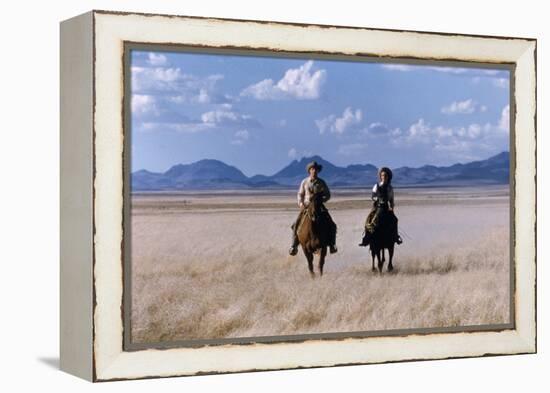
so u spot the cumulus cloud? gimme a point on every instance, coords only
(451, 70)
(298, 83)
(504, 122)
(460, 107)
(466, 142)
(409, 67)
(189, 126)
(292, 152)
(419, 129)
(378, 129)
(177, 86)
(501, 82)
(497, 77)
(240, 137)
(339, 124)
(156, 59)
(445, 69)
(143, 104)
(423, 132)
(398, 67)
(224, 117)
(218, 119)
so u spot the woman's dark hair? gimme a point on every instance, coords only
(388, 171)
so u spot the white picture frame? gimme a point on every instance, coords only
(93, 177)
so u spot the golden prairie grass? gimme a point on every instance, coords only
(226, 274)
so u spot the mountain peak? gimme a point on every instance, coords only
(215, 174)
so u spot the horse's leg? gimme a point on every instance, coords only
(380, 261)
(322, 260)
(373, 256)
(309, 257)
(390, 251)
(383, 255)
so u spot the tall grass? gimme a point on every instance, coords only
(205, 279)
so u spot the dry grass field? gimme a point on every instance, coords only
(215, 265)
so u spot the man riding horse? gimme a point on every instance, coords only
(313, 187)
(382, 196)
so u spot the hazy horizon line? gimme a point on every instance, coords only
(318, 155)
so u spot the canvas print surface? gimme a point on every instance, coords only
(281, 197)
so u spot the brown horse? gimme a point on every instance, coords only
(314, 233)
(383, 238)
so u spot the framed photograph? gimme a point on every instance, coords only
(245, 195)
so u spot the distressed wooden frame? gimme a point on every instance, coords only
(92, 193)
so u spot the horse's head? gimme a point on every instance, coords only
(314, 207)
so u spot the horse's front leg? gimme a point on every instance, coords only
(373, 255)
(322, 256)
(380, 262)
(309, 257)
(390, 265)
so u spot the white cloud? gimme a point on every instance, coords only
(340, 124)
(298, 83)
(282, 122)
(496, 77)
(184, 126)
(142, 104)
(419, 129)
(450, 70)
(504, 122)
(223, 117)
(162, 74)
(378, 129)
(155, 59)
(177, 86)
(217, 119)
(409, 67)
(292, 152)
(491, 72)
(460, 143)
(398, 67)
(501, 82)
(460, 107)
(240, 137)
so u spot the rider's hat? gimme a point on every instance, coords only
(314, 164)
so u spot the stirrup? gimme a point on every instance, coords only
(333, 249)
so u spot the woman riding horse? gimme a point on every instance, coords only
(382, 196)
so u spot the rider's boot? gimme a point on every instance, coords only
(293, 250)
(398, 239)
(365, 240)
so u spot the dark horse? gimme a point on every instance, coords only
(383, 238)
(314, 233)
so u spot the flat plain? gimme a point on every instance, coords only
(211, 265)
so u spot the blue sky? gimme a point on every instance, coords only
(260, 113)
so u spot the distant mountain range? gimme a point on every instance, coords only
(216, 175)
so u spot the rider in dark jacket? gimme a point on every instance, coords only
(382, 196)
